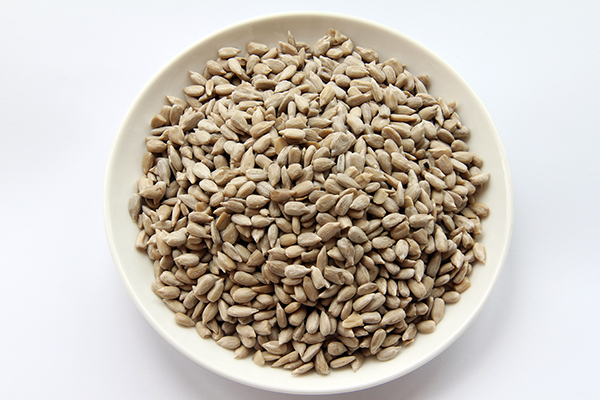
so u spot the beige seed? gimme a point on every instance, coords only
(168, 278)
(241, 311)
(244, 278)
(246, 189)
(242, 352)
(294, 251)
(135, 206)
(281, 316)
(293, 134)
(322, 164)
(256, 175)
(391, 220)
(183, 320)
(357, 235)
(346, 181)
(383, 242)
(360, 203)
(295, 208)
(326, 202)
(241, 220)
(281, 195)
(380, 196)
(325, 325)
(393, 317)
(346, 294)
(377, 340)
(154, 192)
(346, 249)
(479, 252)
(328, 231)
(480, 179)
(259, 129)
(169, 292)
(255, 259)
(312, 322)
(216, 291)
(303, 189)
(420, 220)
(344, 203)
(427, 326)
(157, 121)
(451, 297)
(156, 146)
(358, 362)
(256, 201)
(244, 295)
(321, 365)
(410, 332)
(229, 342)
(336, 348)
(303, 368)
(341, 361)
(437, 310)
(354, 320)
(318, 279)
(187, 260)
(288, 358)
(202, 330)
(388, 353)
(258, 221)
(308, 239)
(481, 209)
(258, 358)
(288, 239)
(262, 144)
(225, 262)
(296, 271)
(418, 289)
(274, 347)
(311, 351)
(228, 52)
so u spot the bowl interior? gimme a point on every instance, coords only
(135, 269)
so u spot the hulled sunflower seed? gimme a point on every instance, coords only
(388, 353)
(309, 202)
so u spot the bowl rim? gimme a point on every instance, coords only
(110, 170)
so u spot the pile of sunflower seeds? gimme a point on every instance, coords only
(309, 205)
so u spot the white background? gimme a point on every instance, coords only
(69, 71)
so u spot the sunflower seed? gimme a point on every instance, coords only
(437, 310)
(388, 353)
(323, 200)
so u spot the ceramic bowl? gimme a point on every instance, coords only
(135, 269)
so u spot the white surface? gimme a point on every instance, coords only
(70, 70)
(124, 170)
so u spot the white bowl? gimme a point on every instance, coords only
(135, 269)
